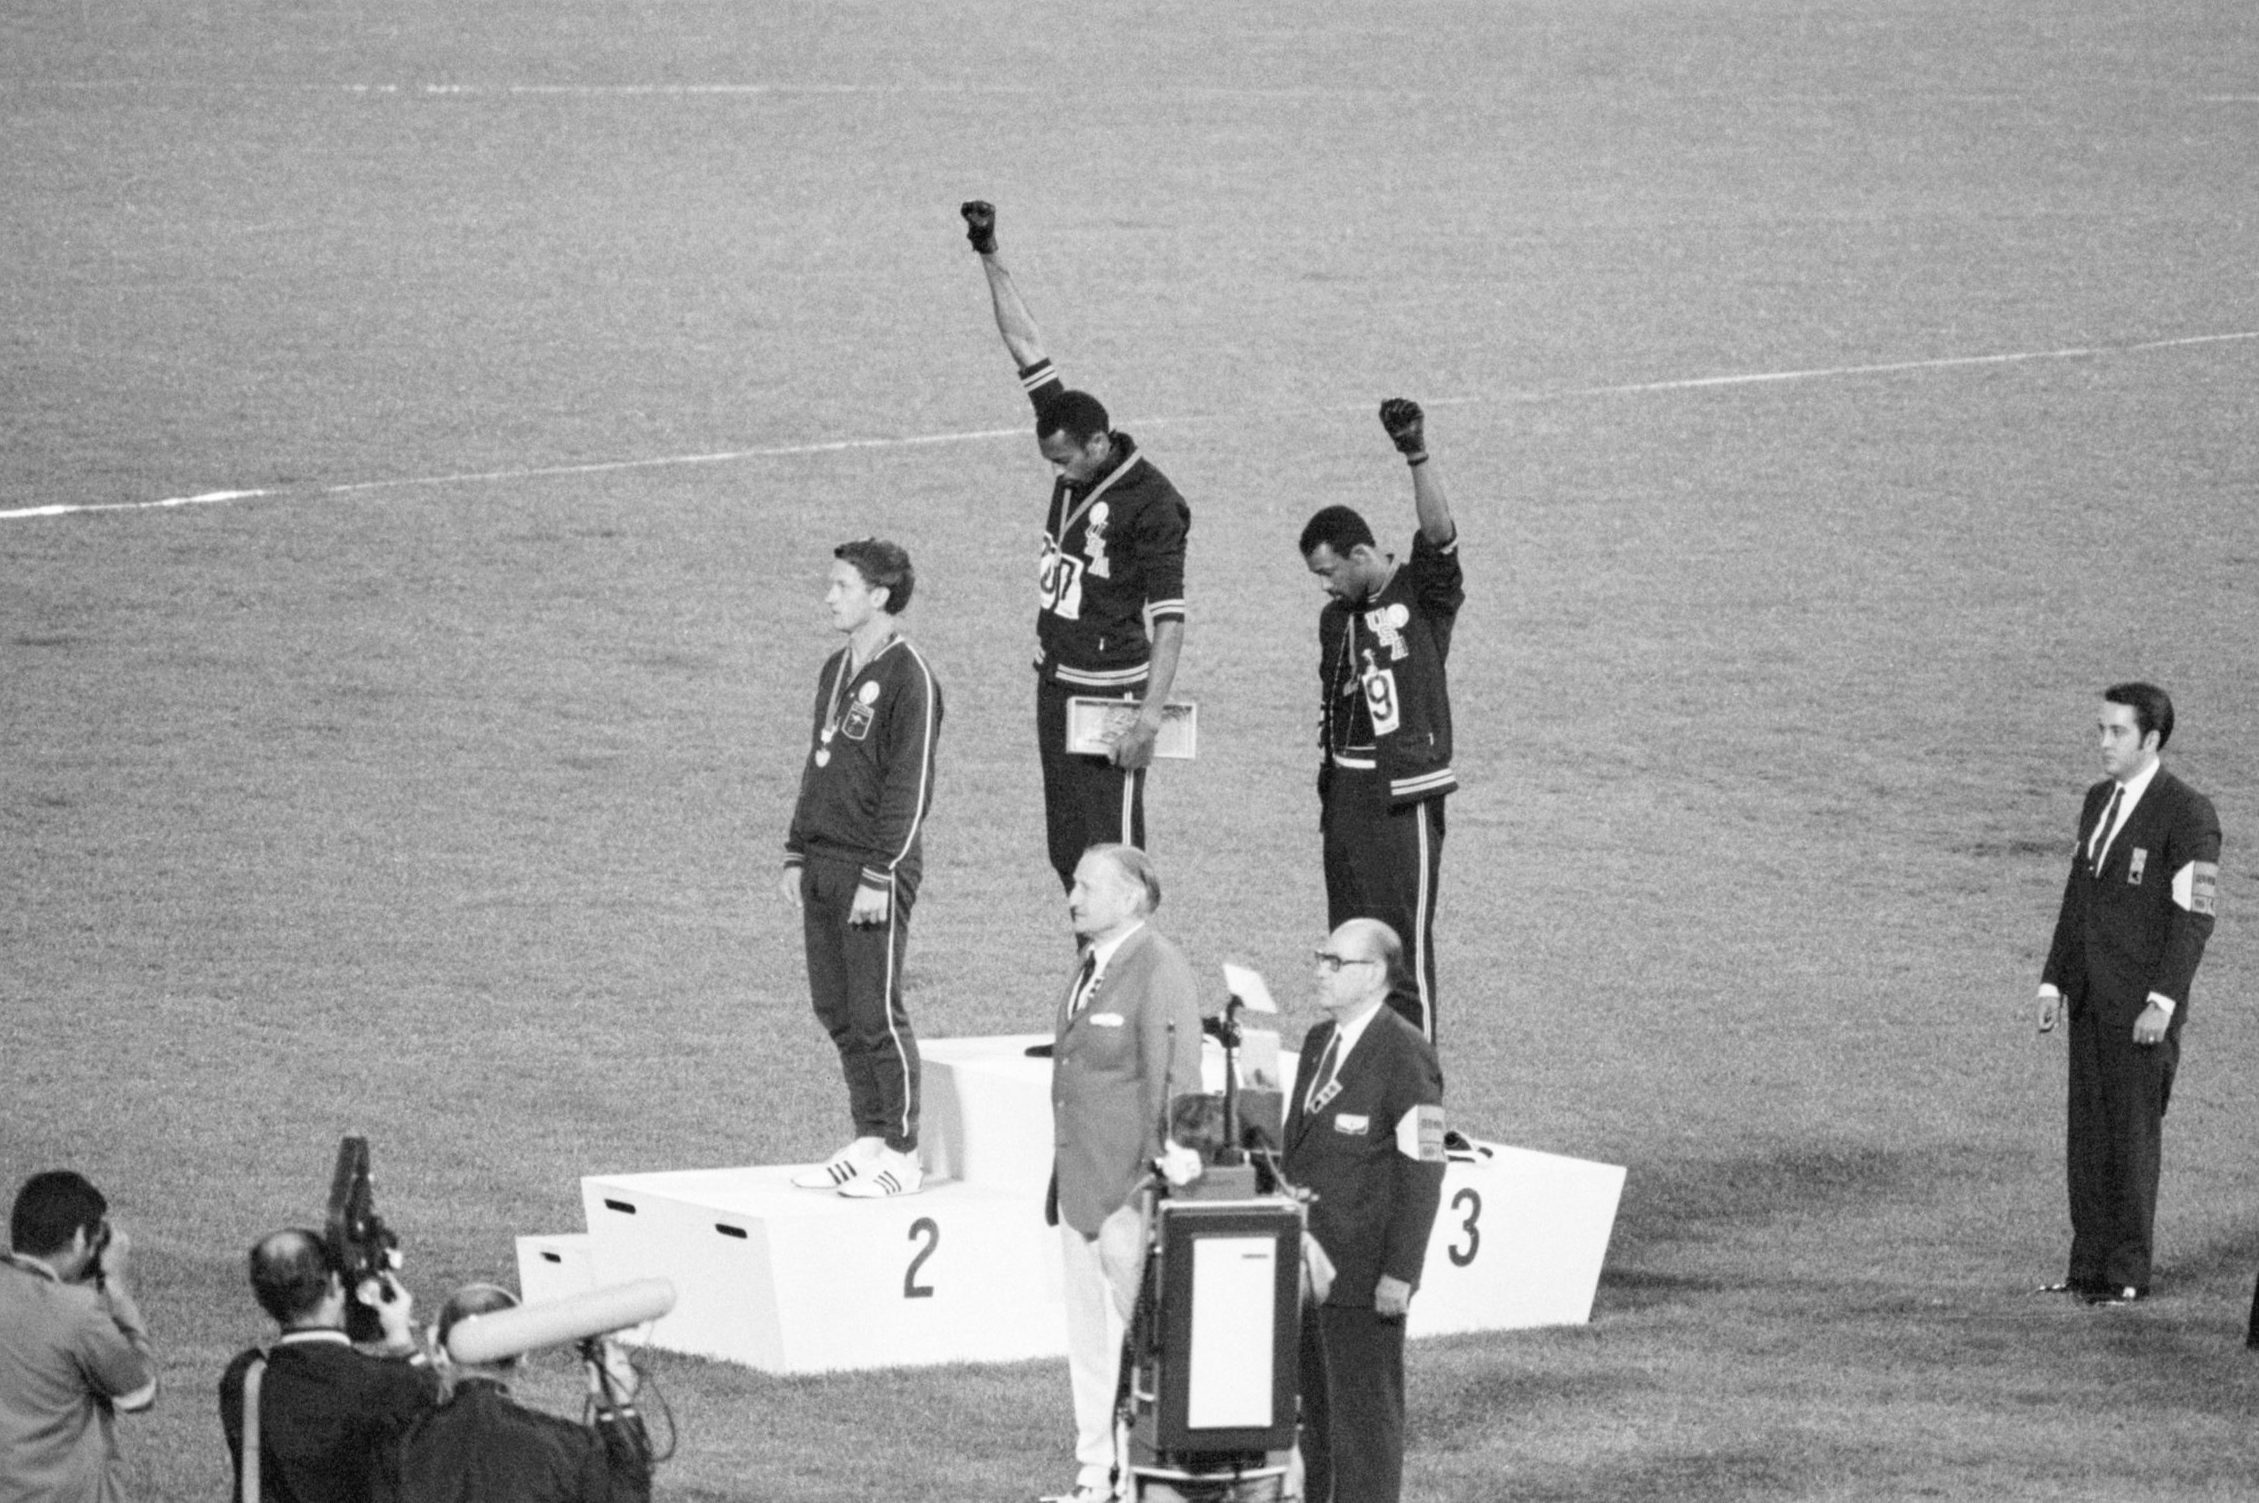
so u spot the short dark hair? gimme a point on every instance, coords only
(1077, 414)
(2152, 707)
(290, 1272)
(1339, 528)
(470, 1300)
(1133, 864)
(51, 1208)
(884, 566)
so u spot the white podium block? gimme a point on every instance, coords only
(791, 1281)
(1518, 1242)
(554, 1267)
(984, 1113)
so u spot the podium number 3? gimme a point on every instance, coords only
(1471, 1203)
(927, 1230)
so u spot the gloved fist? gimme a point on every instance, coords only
(980, 224)
(1402, 417)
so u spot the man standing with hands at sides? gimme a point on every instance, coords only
(1127, 1037)
(1365, 1134)
(74, 1351)
(2137, 909)
(1384, 714)
(853, 858)
(1112, 560)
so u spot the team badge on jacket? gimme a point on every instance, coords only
(1094, 542)
(1387, 626)
(857, 725)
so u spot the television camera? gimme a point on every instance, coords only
(1210, 1366)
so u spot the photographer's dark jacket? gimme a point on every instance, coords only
(326, 1411)
(481, 1447)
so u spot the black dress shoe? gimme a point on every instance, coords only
(1039, 1051)
(2116, 1294)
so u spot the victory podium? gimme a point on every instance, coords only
(789, 1280)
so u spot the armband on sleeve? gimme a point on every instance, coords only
(1419, 1134)
(2196, 887)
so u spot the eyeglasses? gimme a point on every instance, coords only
(1332, 963)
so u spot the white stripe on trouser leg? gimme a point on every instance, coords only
(901, 1055)
(1420, 930)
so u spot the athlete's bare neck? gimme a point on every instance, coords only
(867, 641)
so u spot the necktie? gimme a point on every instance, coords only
(2101, 841)
(1326, 1064)
(1083, 979)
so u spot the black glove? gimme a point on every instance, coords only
(980, 224)
(1402, 417)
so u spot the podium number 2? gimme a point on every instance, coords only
(928, 1230)
(1470, 1202)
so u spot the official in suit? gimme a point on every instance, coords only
(1364, 1134)
(1127, 1036)
(2137, 909)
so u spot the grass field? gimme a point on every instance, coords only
(1835, 396)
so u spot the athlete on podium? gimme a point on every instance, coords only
(853, 857)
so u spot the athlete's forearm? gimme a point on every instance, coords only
(1013, 320)
(1161, 670)
(1433, 506)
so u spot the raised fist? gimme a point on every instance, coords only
(1402, 417)
(980, 224)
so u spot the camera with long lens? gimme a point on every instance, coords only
(361, 1246)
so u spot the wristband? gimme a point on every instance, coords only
(1414, 461)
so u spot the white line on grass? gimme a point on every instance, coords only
(974, 435)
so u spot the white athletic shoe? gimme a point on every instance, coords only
(893, 1174)
(842, 1166)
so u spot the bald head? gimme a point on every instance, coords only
(293, 1278)
(469, 1302)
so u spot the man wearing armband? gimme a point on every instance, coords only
(1364, 1134)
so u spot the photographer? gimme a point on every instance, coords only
(481, 1444)
(324, 1409)
(73, 1348)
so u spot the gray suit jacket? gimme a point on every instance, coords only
(1113, 1067)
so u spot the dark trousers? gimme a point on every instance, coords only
(1385, 863)
(1087, 801)
(855, 981)
(2117, 1120)
(1352, 1406)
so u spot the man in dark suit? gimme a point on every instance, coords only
(325, 1410)
(1365, 1134)
(1127, 1037)
(2137, 910)
(481, 1446)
